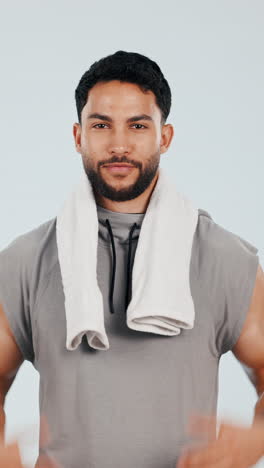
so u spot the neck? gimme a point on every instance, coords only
(137, 205)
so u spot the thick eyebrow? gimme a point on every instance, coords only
(135, 118)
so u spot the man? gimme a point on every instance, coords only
(130, 405)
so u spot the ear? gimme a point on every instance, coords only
(77, 136)
(167, 133)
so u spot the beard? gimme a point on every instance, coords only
(144, 179)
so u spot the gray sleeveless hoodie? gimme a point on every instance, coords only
(128, 406)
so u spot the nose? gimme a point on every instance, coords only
(119, 143)
(118, 150)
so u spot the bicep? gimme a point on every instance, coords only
(249, 348)
(15, 271)
(10, 355)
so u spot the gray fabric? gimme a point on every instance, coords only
(127, 406)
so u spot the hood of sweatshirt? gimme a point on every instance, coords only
(123, 228)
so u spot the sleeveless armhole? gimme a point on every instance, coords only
(240, 266)
(228, 266)
(14, 294)
(233, 264)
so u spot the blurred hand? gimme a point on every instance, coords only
(10, 454)
(235, 447)
(46, 462)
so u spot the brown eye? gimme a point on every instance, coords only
(141, 126)
(96, 125)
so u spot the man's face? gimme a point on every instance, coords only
(120, 124)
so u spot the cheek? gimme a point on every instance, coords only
(95, 144)
(152, 139)
(149, 144)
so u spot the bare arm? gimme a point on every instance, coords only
(249, 349)
(10, 361)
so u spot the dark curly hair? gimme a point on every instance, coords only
(129, 67)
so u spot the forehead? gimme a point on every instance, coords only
(120, 98)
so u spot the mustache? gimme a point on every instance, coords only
(123, 159)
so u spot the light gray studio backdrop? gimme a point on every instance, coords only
(210, 51)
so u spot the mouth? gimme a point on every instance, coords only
(119, 167)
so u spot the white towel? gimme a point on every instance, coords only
(161, 300)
